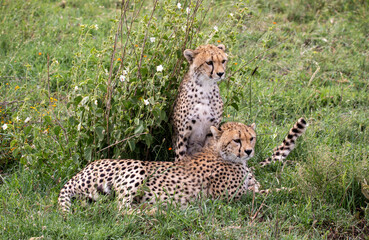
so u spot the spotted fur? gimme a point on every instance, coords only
(218, 171)
(198, 105)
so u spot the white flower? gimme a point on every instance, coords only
(125, 72)
(95, 102)
(179, 5)
(76, 88)
(27, 119)
(216, 28)
(159, 68)
(122, 78)
(146, 102)
(231, 14)
(96, 27)
(5, 126)
(17, 118)
(152, 39)
(188, 10)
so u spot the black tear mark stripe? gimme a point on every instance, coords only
(212, 66)
(239, 136)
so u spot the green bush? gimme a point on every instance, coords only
(115, 99)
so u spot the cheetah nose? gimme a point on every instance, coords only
(220, 74)
(248, 152)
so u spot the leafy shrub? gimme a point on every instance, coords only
(116, 98)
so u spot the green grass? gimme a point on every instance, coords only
(312, 62)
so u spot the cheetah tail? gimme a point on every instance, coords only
(281, 152)
(65, 197)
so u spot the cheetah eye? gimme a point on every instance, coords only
(209, 63)
(251, 139)
(237, 140)
(224, 61)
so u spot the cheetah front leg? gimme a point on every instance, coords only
(182, 139)
(126, 187)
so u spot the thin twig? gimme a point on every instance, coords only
(8, 103)
(276, 225)
(261, 206)
(112, 145)
(144, 42)
(65, 133)
(313, 76)
(48, 77)
(109, 88)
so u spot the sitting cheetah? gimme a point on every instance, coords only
(219, 170)
(198, 105)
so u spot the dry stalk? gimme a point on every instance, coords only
(136, 135)
(259, 209)
(48, 77)
(144, 42)
(313, 76)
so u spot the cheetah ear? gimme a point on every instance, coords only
(221, 46)
(216, 133)
(253, 126)
(189, 55)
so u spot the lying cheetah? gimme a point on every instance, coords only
(198, 105)
(219, 170)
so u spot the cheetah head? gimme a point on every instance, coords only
(234, 141)
(207, 62)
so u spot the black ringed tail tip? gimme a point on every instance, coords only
(283, 150)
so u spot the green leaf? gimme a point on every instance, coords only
(156, 113)
(144, 71)
(75, 158)
(87, 153)
(15, 152)
(103, 88)
(235, 98)
(13, 142)
(72, 121)
(48, 119)
(163, 116)
(56, 130)
(148, 139)
(235, 106)
(85, 100)
(139, 129)
(99, 130)
(131, 145)
(27, 130)
(77, 100)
